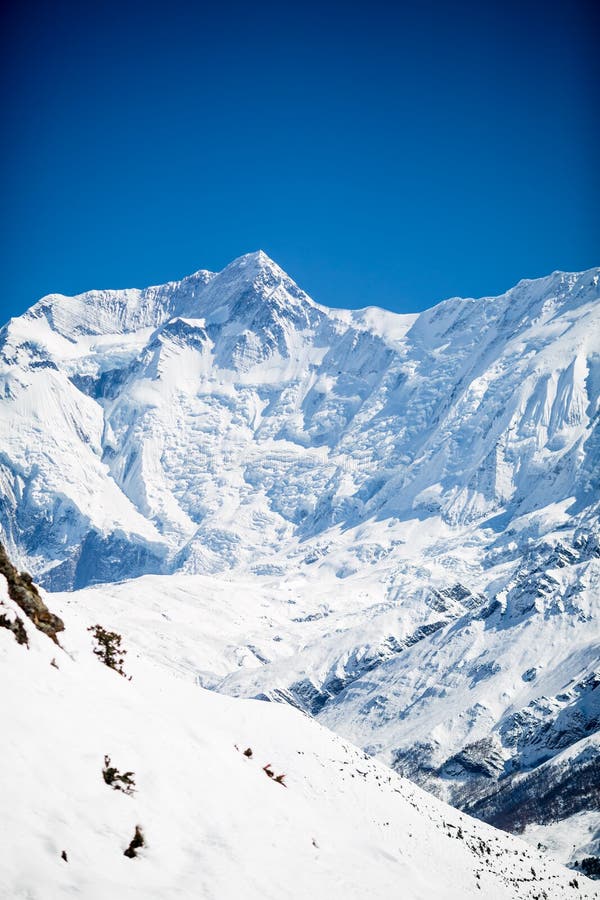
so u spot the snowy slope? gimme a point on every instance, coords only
(483, 711)
(214, 825)
(390, 522)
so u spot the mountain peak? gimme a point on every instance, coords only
(254, 263)
(252, 281)
(259, 256)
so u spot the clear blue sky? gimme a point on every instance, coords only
(390, 156)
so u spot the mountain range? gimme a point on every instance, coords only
(387, 521)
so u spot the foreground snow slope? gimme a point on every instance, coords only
(483, 711)
(215, 826)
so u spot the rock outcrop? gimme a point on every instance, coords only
(25, 594)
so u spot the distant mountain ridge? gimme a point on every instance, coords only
(411, 502)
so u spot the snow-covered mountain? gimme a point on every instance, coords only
(227, 421)
(144, 786)
(192, 427)
(388, 521)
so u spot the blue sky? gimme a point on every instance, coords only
(381, 156)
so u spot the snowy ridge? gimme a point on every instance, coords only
(409, 504)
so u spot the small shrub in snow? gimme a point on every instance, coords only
(278, 778)
(136, 842)
(118, 782)
(108, 648)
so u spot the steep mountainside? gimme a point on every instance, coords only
(495, 713)
(402, 511)
(160, 789)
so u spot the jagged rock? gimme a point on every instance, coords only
(481, 758)
(15, 624)
(25, 594)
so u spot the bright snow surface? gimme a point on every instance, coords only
(215, 825)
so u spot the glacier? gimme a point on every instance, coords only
(388, 521)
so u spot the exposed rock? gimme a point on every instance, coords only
(25, 594)
(548, 794)
(14, 624)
